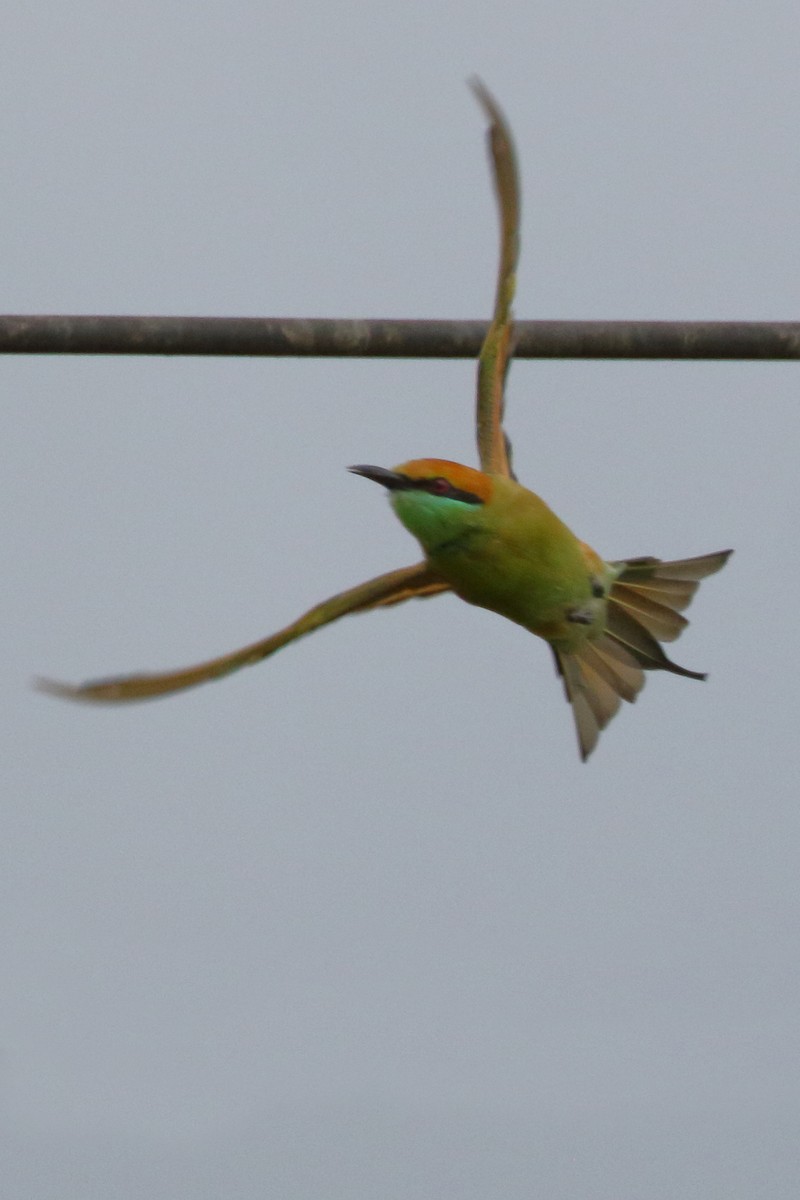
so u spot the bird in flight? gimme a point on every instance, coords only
(495, 544)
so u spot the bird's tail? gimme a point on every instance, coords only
(644, 609)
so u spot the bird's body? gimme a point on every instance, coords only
(509, 552)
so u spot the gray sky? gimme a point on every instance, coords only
(358, 922)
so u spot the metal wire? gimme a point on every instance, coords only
(348, 338)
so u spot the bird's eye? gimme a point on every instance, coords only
(439, 487)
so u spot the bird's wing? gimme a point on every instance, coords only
(392, 588)
(494, 448)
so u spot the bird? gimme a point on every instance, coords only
(495, 544)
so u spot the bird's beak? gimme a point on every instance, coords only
(390, 479)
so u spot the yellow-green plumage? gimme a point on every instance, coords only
(510, 553)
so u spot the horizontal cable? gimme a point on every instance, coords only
(319, 337)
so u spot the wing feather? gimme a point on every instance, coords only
(392, 588)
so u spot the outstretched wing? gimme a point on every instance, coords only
(494, 448)
(392, 588)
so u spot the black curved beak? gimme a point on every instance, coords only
(389, 479)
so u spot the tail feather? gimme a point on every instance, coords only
(597, 677)
(594, 700)
(638, 641)
(601, 696)
(671, 583)
(613, 662)
(644, 606)
(658, 618)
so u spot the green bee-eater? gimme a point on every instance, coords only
(496, 545)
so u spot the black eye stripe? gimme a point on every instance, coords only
(441, 487)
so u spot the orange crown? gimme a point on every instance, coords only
(467, 479)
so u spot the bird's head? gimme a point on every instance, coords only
(435, 499)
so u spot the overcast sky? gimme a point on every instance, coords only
(358, 923)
